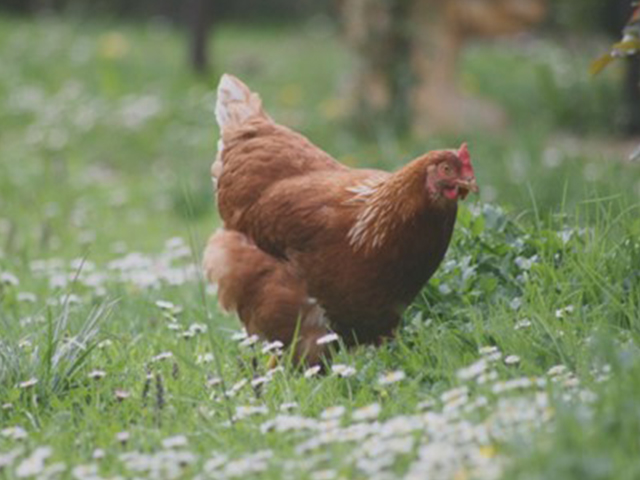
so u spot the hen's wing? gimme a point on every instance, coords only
(254, 152)
(272, 183)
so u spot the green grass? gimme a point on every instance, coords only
(105, 145)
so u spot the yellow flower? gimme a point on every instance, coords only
(113, 45)
(333, 108)
(291, 95)
(488, 451)
(461, 474)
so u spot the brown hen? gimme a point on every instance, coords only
(309, 245)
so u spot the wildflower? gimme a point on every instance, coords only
(571, 382)
(271, 346)
(490, 354)
(285, 423)
(272, 371)
(204, 358)
(214, 463)
(98, 454)
(479, 402)
(97, 374)
(81, 472)
(248, 466)
(54, 470)
(311, 371)
(241, 335)
(105, 344)
(513, 384)
(343, 370)
(487, 451)
(525, 263)
(138, 110)
(196, 328)
(187, 334)
(285, 407)
(7, 406)
(490, 350)
(512, 359)
(9, 279)
(251, 340)
(28, 383)
(524, 323)
(123, 437)
(69, 299)
(243, 411)
(473, 370)
(14, 433)
(113, 45)
(162, 356)
(260, 380)
(332, 413)
(7, 459)
(328, 338)
(426, 405)
(213, 381)
(167, 306)
(557, 370)
(400, 425)
(34, 464)
(562, 312)
(324, 475)
(487, 377)
(175, 442)
(368, 412)
(27, 297)
(516, 303)
(122, 395)
(391, 377)
(237, 387)
(454, 393)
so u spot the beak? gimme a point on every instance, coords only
(467, 185)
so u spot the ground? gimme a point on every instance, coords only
(519, 360)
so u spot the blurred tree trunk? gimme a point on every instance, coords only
(376, 30)
(613, 17)
(622, 11)
(199, 23)
(40, 7)
(633, 93)
(407, 52)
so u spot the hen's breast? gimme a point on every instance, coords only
(365, 294)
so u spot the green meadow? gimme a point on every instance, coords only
(519, 360)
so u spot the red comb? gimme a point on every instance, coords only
(465, 158)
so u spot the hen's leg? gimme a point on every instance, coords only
(266, 293)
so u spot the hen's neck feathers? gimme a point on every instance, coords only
(391, 205)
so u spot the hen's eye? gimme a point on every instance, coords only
(446, 168)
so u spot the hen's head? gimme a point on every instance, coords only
(450, 175)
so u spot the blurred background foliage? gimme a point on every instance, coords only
(99, 97)
(565, 15)
(174, 10)
(571, 22)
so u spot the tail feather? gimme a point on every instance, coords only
(268, 298)
(236, 103)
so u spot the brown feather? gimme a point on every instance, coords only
(300, 225)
